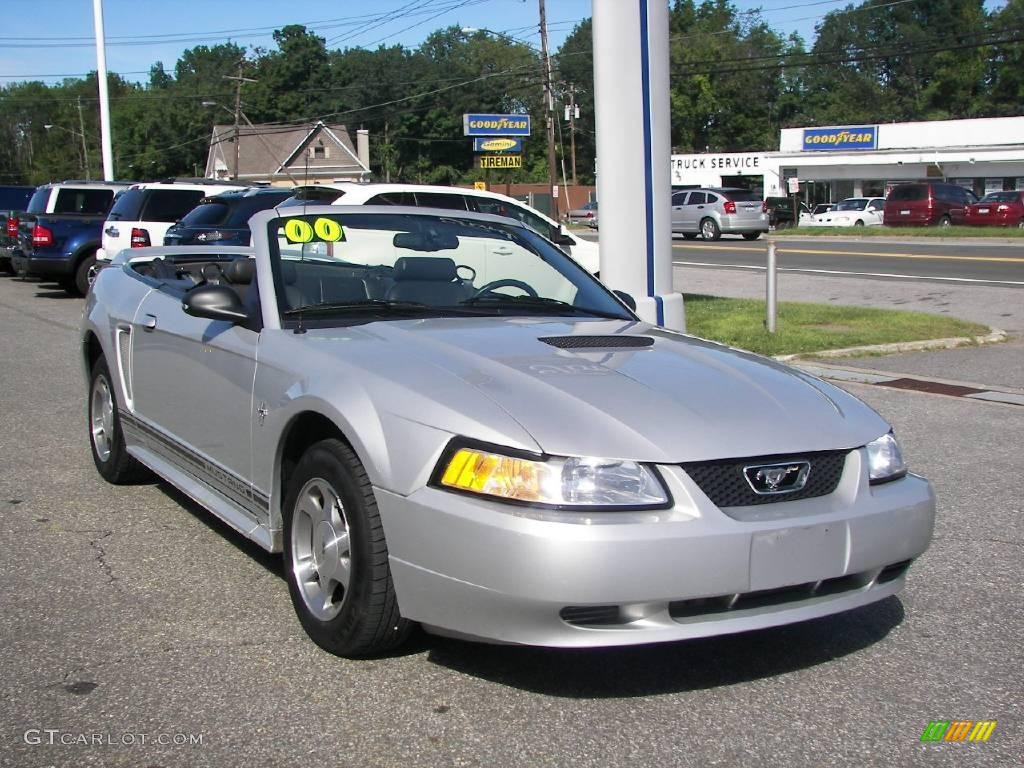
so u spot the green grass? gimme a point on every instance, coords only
(904, 232)
(813, 327)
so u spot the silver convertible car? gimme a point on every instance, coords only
(440, 418)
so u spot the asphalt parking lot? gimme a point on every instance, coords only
(129, 614)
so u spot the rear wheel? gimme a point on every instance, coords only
(80, 284)
(751, 235)
(944, 222)
(858, 223)
(105, 436)
(336, 557)
(709, 230)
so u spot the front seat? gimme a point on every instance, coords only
(427, 280)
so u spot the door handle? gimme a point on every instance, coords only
(149, 322)
(502, 253)
(112, 231)
(700, 206)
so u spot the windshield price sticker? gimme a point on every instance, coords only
(322, 230)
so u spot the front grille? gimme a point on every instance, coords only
(598, 342)
(589, 615)
(723, 481)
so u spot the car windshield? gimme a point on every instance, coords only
(1000, 197)
(852, 204)
(338, 268)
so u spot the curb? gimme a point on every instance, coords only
(994, 336)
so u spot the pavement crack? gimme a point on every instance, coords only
(101, 556)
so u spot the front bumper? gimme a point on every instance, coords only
(515, 575)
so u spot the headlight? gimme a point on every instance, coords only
(885, 460)
(555, 482)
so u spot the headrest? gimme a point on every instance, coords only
(240, 271)
(433, 269)
(288, 273)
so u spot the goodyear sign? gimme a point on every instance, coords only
(500, 161)
(496, 125)
(497, 145)
(835, 139)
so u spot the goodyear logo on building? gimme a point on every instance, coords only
(846, 138)
(496, 125)
(497, 145)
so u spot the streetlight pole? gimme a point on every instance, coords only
(549, 108)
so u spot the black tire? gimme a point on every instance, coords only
(106, 442)
(366, 620)
(751, 235)
(944, 222)
(709, 229)
(858, 223)
(690, 235)
(80, 284)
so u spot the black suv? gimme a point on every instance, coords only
(224, 218)
(13, 201)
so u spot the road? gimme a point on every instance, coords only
(962, 262)
(128, 612)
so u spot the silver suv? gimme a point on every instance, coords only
(711, 213)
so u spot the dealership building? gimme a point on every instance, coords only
(835, 162)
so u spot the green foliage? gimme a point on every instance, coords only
(734, 83)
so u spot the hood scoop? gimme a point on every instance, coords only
(598, 342)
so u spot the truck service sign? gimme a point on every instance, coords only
(844, 138)
(496, 125)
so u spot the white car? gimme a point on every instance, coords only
(143, 213)
(584, 252)
(852, 212)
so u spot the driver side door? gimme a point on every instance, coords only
(193, 381)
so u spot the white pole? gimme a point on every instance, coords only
(632, 116)
(771, 288)
(101, 77)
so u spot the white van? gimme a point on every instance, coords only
(455, 198)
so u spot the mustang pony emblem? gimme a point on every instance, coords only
(777, 478)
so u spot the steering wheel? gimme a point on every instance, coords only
(508, 282)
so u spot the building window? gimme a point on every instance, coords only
(318, 151)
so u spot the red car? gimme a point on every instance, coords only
(927, 204)
(998, 209)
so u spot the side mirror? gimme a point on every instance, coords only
(215, 302)
(628, 300)
(560, 238)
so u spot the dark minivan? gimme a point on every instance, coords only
(927, 204)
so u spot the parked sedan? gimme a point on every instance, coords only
(583, 215)
(439, 417)
(997, 209)
(852, 212)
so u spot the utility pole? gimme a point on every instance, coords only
(239, 79)
(549, 108)
(572, 111)
(85, 147)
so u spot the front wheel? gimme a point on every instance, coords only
(109, 453)
(945, 222)
(709, 230)
(336, 557)
(858, 223)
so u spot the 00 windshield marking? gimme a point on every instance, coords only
(336, 267)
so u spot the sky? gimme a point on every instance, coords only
(51, 39)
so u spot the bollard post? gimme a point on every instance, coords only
(771, 288)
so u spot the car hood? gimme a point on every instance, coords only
(620, 389)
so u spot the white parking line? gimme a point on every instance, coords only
(854, 274)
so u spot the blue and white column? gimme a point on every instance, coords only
(634, 137)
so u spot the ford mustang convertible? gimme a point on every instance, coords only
(439, 418)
